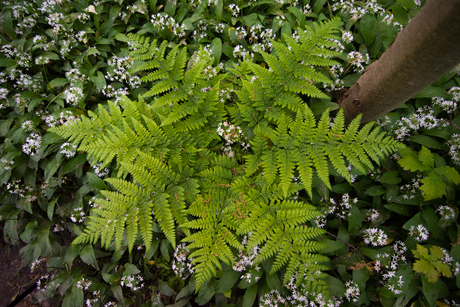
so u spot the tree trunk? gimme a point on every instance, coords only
(422, 52)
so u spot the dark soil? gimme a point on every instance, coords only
(16, 278)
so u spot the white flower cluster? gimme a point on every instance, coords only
(41, 41)
(118, 71)
(411, 190)
(201, 31)
(372, 215)
(59, 227)
(73, 95)
(7, 164)
(245, 260)
(421, 232)
(426, 117)
(261, 38)
(347, 37)
(220, 28)
(299, 296)
(446, 212)
(375, 237)
(352, 293)
(27, 125)
(181, 265)
(100, 172)
(84, 284)
(231, 134)
(75, 75)
(68, 150)
(134, 282)
(454, 148)
(110, 92)
(161, 22)
(63, 118)
(22, 191)
(357, 59)
(341, 210)
(32, 145)
(337, 83)
(240, 52)
(36, 263)
(77, 215)
(234, 9)
(92, 301)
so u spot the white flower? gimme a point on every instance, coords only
(375, 237)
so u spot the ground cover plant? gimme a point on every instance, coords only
(177, 143)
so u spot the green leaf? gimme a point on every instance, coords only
(57, 82)
(412, 164)
(426, 157)
(400, 209)
(122, 37)
(130, 269)
(205, 294)
(7, 24)
(51, 168)
(29, 231)
(390, 178)
(227, 281)
(250, 296)
(450, 173)
(430, 92)
(165, 289)
(50, 55)
(96, 182)
(216, 47)
(5, 126)
(368, 27)
(71, 253)
(375, 190)
(50, 208)
(88, 257)
(409, 4)
(433, 187)
(427, 141)
(74, 163)
(98, 80)
(5, 62)
(318, 5)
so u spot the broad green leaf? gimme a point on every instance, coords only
(7, 24)
(390, 177)
(74, 163)
(216, 47)
(51, 56)
(368, 27)
(427, 141)
(51, 168)
(426, 157)
(57, 82)
(165, 289)
(430, 92)
(433, 187)
(450, 173)
(122, 37)
(227, 281)
(71, 253)
(98, 80)
(409, 4)
(410, 163)
(50, 208)
(375, 190)
(5, 62)
(130, 269)
(88, 257)
(205, 294)
(250, 296)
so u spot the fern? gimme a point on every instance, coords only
(172, 170)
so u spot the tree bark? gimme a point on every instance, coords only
(422, 52)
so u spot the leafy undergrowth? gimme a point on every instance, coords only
(391, 234)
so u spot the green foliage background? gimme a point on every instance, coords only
(160, 158)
